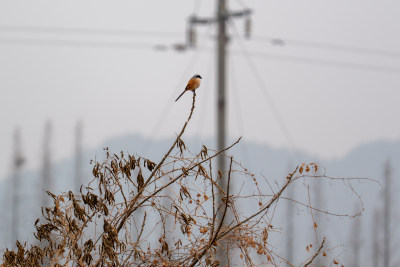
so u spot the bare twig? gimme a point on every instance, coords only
(214, 238)
(315, 254)
(266, 207)
(131, 204)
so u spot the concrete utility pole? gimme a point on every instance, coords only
(386, 215)
(356, 240)
(319, 203)
(221, 80)
(290, 226)
(376, 236)
(46, 171)
(18, 161)
(78, 155)
(221, 19)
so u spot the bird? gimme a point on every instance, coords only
(192, 84)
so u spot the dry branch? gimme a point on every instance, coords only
(94, 227)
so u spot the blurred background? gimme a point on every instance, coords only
(306, 81)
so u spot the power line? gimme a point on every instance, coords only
(325, 46)
(318, 61)
(91, 31)
(77, 43)
(154, 46)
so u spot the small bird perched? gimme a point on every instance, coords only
(192, 84)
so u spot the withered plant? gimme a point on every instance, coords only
(137, 212)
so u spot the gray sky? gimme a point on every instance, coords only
(331, 100)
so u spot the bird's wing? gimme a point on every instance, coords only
(190, 84)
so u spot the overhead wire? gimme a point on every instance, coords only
(259, 55)
(283, 42)
(90, 31)
(164, 34)
(264, 89)
(77, 43)
(317, 61)
(156, 46)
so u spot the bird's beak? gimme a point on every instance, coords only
(200, 77)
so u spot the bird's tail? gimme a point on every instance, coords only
(180, 95)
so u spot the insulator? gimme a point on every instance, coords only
(191, 36)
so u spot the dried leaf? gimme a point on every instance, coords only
(269, 258)
(140, 180)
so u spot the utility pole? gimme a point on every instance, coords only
(319, 203)
(386, 216)
(290, 225)
(221, 19)
(376, 236)
(222, 40)
(356, 240)
(46, 171)
(18, 161)
(78, 155)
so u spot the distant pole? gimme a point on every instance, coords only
(16, 186)
(376, 243)
(356, 240)
(289, 224)
(386, 217)
(46, 171)
(78, 155)
(319, 200)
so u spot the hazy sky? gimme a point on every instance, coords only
(331, 98)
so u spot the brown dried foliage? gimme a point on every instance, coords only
(107, 223)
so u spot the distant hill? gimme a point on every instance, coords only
(274, 163)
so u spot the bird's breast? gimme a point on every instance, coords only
(193, 84)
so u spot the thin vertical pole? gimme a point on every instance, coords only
(46, 171)
(222, 254)
(221, 80)
(386, 217)
(16, 184)
(78, 155)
